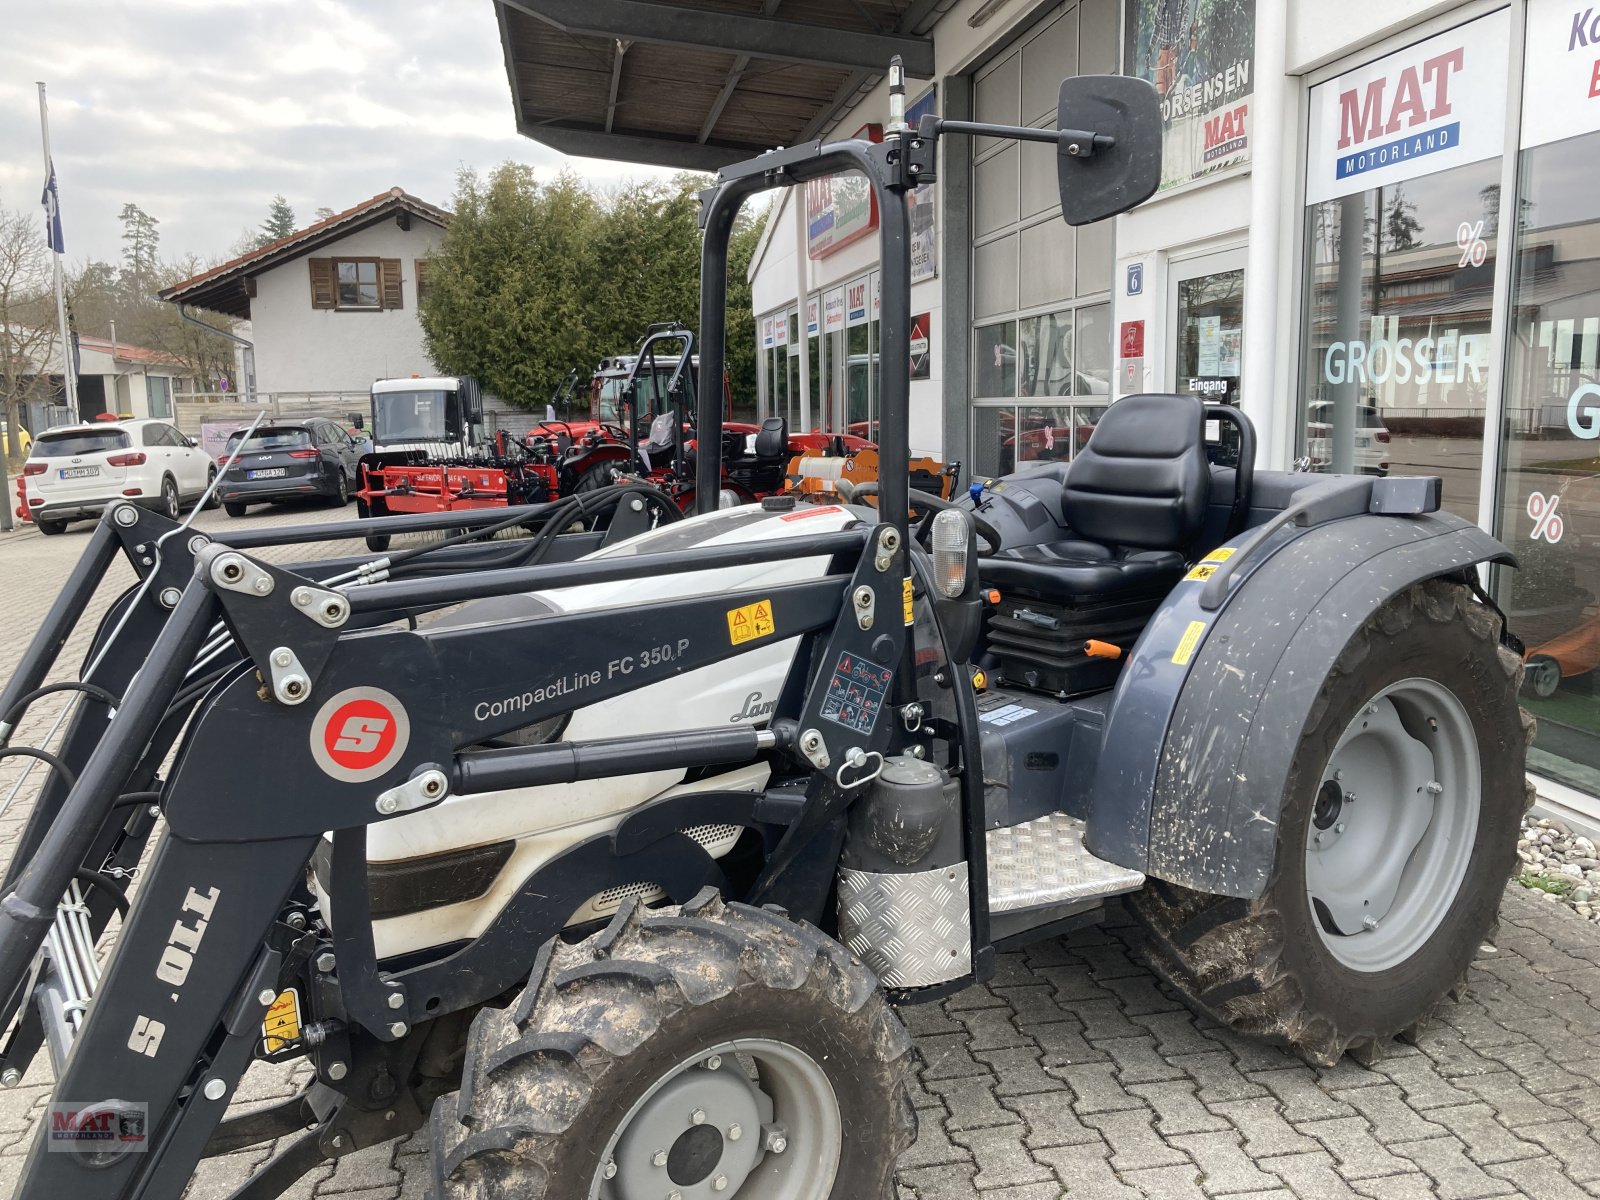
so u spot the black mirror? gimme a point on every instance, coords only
(1098, 180)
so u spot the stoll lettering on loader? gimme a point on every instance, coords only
(636, 933)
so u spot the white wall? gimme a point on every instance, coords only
(304, 349)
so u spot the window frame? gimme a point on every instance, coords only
(337, 261)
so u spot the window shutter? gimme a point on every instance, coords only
(323, 294)
(389, 282)
(420, 266)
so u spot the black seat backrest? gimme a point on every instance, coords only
(1143, 479)
(772, 440)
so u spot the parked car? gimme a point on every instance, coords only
(1371, 445)
(290, 460)
(24, 442)
(74, 471)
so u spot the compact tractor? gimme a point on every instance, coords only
(607, 857)
(431, 454)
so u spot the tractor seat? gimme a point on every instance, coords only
(1135, 500)
(772, 439)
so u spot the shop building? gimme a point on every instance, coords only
(1378, 233)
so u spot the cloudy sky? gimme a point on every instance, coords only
(200, 110)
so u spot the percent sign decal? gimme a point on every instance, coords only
(1547, 522)
(1469, 239)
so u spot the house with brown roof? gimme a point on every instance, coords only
(332, 306)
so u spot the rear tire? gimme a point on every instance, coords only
(171, 507)
(340, 496)
(1281, 967)
(607, 1061)
(234, 509)
(213, 498)
(49, 527)
(378, 542)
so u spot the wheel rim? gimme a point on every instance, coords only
(169, 498)
(756, 1116)
(1393, 824)
(344, 490)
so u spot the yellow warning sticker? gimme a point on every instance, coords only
(281, 1025)
(906, 601)
(1202, 571)
(1221, 554)
(750, 621)
(1188, 642)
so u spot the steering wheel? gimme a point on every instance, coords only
(933, 504)
(616, 431)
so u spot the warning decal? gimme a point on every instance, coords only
(1188, 642)
(281, 1025)
(750, 621)
(856, 693)
(905, 600)
(1221, 554)
(1202, 571)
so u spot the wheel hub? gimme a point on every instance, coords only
(1392, 824)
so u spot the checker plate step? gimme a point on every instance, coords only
(1043, 862)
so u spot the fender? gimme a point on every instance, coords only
(1211, 705)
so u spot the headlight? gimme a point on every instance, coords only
(952, 543)
(727, 499)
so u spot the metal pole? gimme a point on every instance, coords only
(69, 374)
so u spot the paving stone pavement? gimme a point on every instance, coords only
(1075, 1073)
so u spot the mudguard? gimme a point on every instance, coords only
(1211, 704)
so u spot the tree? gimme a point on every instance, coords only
(323, 213)
(511, 286)
(280, 222)
(1400, 224)
(27, 318)
(141, 242)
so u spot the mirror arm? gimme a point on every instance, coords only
(1080, 143)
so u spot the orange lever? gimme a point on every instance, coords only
(1098, 649)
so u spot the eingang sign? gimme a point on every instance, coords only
(1432, 106)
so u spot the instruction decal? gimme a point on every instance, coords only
(1220, 554)
(856, 693)
(281, 1025)
(1188, 642)
(906, 602)
(750, 621)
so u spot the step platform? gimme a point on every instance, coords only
(1043, 863)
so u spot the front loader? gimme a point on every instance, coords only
(608, 855)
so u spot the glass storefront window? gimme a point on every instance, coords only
(1012, 438)
(1550, 490)
(1044, 361)
(1092, 373)
(995, 360)
(1402, 183)
(1397, 347)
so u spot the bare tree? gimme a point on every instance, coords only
(27, 318)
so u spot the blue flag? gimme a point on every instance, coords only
(52, 213)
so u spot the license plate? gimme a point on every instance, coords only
(79, 472)
(281, 1026)
(1362, 443)
(270, 473)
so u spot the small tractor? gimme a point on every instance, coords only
(431, 454)
(608, 857)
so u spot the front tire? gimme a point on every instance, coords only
(171, 507)
(1415, 753)
(676, 1048)
(340, 495)
(213, 497)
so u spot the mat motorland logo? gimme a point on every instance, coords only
(108, 1127)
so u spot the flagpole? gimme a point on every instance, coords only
(69, 374)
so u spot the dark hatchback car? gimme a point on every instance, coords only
(289, 460)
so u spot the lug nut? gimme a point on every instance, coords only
(610, 1171)
(1369, 923)
(713, 1062)
(697, 1117)
(1339, 828)
(659, 1158)
(720, 1183)
(1435, 787)
(735, 1133)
